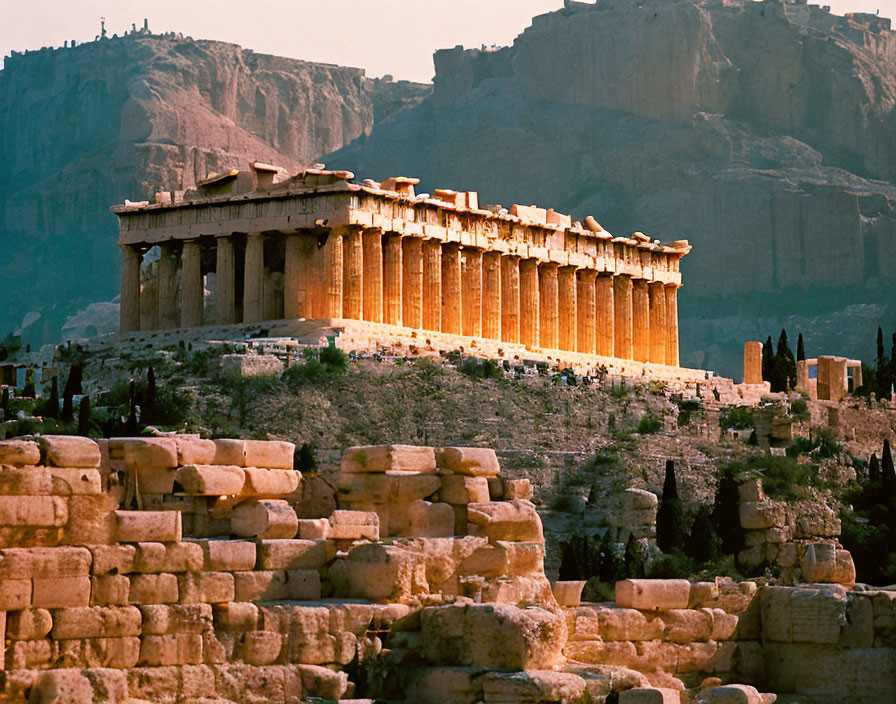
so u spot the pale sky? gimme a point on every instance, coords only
(396, 37)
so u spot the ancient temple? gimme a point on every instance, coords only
(320, 246)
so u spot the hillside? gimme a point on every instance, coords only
(764, 133)
(82, 128)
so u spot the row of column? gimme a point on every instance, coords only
(424, 284)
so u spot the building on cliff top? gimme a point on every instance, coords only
(318, 246)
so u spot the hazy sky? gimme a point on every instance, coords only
(381, 36)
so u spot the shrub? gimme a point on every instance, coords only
(782, 477)
(304, 459)
(649, 424)
(736, 417)
(334, 359)
(672, 565)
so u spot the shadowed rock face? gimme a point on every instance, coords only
(763, 133)
(83, 128)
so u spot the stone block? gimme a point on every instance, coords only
(650, 695)
(64, 686)
(292, 554)
(109, 590)
(206, 588)
(26, 481)
(316, 528)
(69, 451)
(19, 453)
(385, 573)
(265, 519)
(817, 615)
(33, 511)
(271, 454)
(15, 594)
(260, 585)
(210, 480)
(230, 452)
(756, 515)
(140, 453)
(162, 619)
(60, 592)
(261, 647)
(470, 461)
(653, 594)
(392, 487)
(702, 594)
(148, 526)
(191, 449)
(112, 559)
(29, 654)
(626, 624)
(467, 636)
(70, 481)
(270, 483)
(153, 558)
(303, 585)
(858, 631)
(96, 622)
(236, 616)
(171, 649)
(28, 624)
(18, 563)
(687, 625)
(532, 686)
(228, 555)
(383, 458)
(730, 694)
(775, 609)
(568, 593)
(724, 625)
(422, 519)
(153, 589)
(460, 490)
(108, 685)
(507, 520)
(517, 489)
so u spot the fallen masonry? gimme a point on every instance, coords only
(180, 570)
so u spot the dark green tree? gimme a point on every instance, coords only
(882, 368)
(4, 402)
(304, 460)
(704, 544)
(873, 469)
(149, 402)
(130, 427)
(800, 349)
(635, 559)
(784, 366)
(612, 563)
(726, 513)
(768, 360)
(886, 466)
(670, 530)
(29, 391)
(51, 407)
(68, 410)
(84, 416)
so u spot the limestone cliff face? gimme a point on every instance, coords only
(764, 133)
(83, 128)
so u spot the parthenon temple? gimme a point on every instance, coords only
(320, 246)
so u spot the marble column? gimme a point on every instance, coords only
(332, 275)
(412, 282)
(253, 279)
(192, 292)
(432, 285)
(149, 303)
(529, 300)
(130, 289)
(225, 272)
(657, 294)
(640, 321)
(296, 294)
(373, 276)
(622, 316)
(471, 291)
(605, 316)
(353, 275)
(392, 279)
(548, 305)
(491, 295)
(169, 315)
(451, 295)
(567, 322)
(510, 299)
(585, 311)
(672, 325)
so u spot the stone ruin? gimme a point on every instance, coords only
(178, 570)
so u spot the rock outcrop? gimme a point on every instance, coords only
(84, 127)
(761, 132)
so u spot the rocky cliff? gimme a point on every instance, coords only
(762, 132)
(84, 127)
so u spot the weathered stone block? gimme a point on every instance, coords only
(460, 490)
(96, 622)
(260, 585)
(471, 461)
(26, 481)
(36, 511)
(393, 487)
(653, 594)
(69, 451)
(702, 594)
(230, 452)
(168, 557)
(568, 593)
(730, 694)
(162, 619)
(206, 587)
(62, 686)
(687, 625)
(271, 454)
(109, 590)
(303, 585)
(211, 480)
(507, 520)
(60, 592)
(817, 615)
(29, 624)
(19, 453)
(70, 481)
(191, 449)
(532, 686)
(171, 649)
(517, 489)
(649, 695)
(775, 605)
(236, 616)
(292, 554)
(19, 563)
(384, 572)
(265, 519)
(227, 555)
(153, 589)
(261, 647)
(15, 594)
(316, 528)
(270, 483)
(383, 458)
(148, 526)
(761, 515)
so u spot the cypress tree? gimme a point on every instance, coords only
(704, 543)
(873, 469)
(612, 564)
(635, 567)
(51, 408)
(670, 533)
(4, 402)
(29, 390)
(768, 360)
(784, 366)
(569, 569)
(68, 411)
(800, 350)
(84, 416)
(726, 513)
(149, 410)
(76, 378)
(889, 475)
